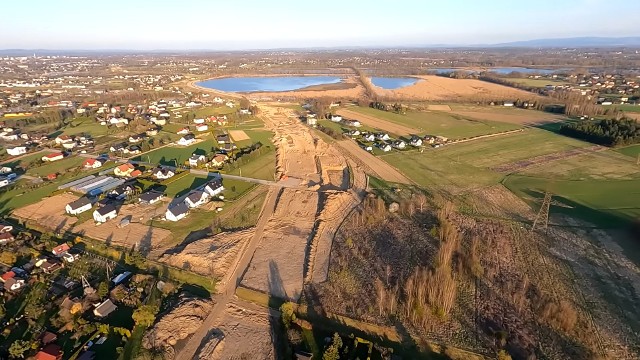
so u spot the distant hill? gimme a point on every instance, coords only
(631, 41)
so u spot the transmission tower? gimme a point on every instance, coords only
(542, 219)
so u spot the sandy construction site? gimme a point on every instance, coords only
(49, 212)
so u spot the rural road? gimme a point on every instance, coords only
(198, 339)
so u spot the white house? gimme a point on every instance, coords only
(150, 197)
(416, 141)
(214, 187)
(92, 164)
(399, 144)
(244, 112)
(53, 157)
(105, 213)
(183, 131)
(196, 198)
(353, 132)
(385, 147)
(369, 137)
(4, 182)
(63, 139)
(336, 118)
(177, 212)
(198, 121)
(382, 136)
(187, 140)
(197, 159)
(18, 150)
(202, 127)
(79, 206)
(162, 173)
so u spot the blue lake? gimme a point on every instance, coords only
(391, 83)
(274, 83)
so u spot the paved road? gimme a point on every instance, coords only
(226, 293)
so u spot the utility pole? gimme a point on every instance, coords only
(542, 219)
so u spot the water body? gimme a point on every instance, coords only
(502, 70)
(391, 83)
(274, 83)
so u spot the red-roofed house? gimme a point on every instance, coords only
(135, 173)
(8, 275)
(124, 170)
(60, 249)
(92, 164)
(53, 157)
(6, 238)
(49, 352)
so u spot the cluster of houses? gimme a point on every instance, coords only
(384, 142)
(195, 199)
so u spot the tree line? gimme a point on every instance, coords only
(607, 132)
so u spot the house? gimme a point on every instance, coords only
(70, 145)
(244, 112)
(121, 192)
(223, 139)
(202, 127)
(214, 187)
(196, 159)
(152, 132)
(312, 121)
(150, 197)
(48, 337)
(13, 284)
(219, 160)
(6, 276)
(336, 118)
(124, 170)
(133, 149)
(78, 206)
(163, 173)
(429, 139)
(53, 157)
(71, 255)
(49, 352)
(160, 122)
(353, 132)
(384, 147)
(183, 131)
(187, 140)
(105, 213)
(177, 212)
(136, 173)
(508, 103)
(18, 150)
(6, 238)
(104, 309)
(354, 123)
(198, 121)
(92, 164)
(50, 266)
(369, 137)
(52, 176)
(399, 144)
(4, 182)
(63, 139)
(416, 141)
(118, 147)
(60, 249)
(136, 138)
(196, 198)
(382, 136)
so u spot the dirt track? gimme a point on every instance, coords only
(49, 212)
(375, 165)
(378, 123)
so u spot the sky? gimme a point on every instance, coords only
(256, 24)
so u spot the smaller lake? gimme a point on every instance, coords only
(391, 83)
(273, 83)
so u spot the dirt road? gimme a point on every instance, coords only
(226, 294)
(371, 163)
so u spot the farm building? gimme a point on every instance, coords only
(79, 206)
(105, 213)
(177, 212)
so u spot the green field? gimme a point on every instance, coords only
(633, 150)
(602, 202)
(172, 155)
(25, 160)
(15, 198)
(184, 184)
(539, 83)
(626, 107)
(85, 125)
(257, 136)
(601, 165)
(440, 123)
(56, 166)
(261, 168)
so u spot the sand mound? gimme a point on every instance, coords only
(177, 325)
(214, 255)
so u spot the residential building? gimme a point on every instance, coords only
(92, 164)
(105, 213)
(150, 197)
(196, 198)
(163, 173)
(214, 187)
(219, 160)
(18, 150)
(197, 159)
(187, 140)
(104, 309)
(60, 249)
(202, 127)
(124, 170)
(78, 206)
(177, 212)
(53, 157)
